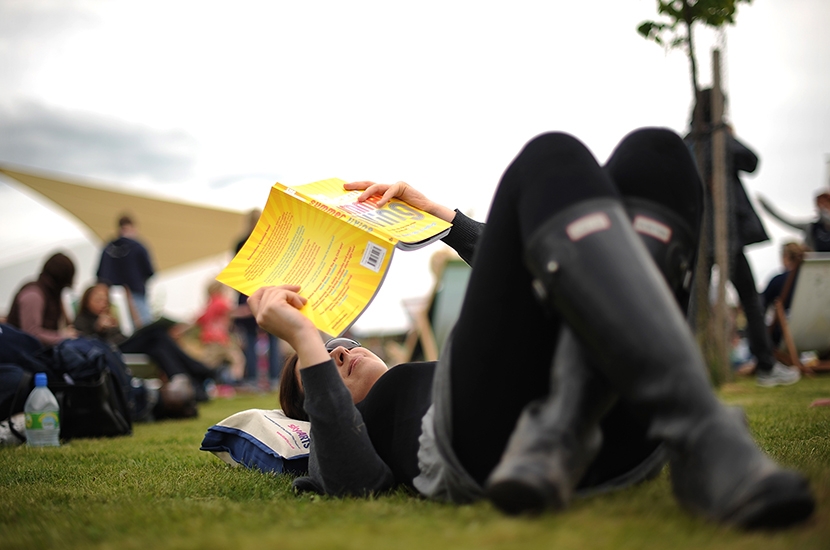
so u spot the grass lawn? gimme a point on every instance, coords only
(155, 489)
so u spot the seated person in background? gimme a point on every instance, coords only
(95, 319)
(816, 232)
(792, 256)
(214, 324)
(37, 307)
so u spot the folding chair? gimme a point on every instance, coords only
(433, 317)
(140, 364)
(807, 327)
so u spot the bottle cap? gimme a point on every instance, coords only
(40, 380)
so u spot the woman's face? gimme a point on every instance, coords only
(99, 300)
(359, 368)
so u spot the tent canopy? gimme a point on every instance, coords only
(175, 232)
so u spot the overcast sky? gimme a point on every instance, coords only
(214, 101)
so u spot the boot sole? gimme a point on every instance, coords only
(515, 497)
(781, 500)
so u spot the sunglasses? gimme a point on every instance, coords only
(347, 343)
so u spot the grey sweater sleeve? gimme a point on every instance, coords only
(464, 235)
(342, 460)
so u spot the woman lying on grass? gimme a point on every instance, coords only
(571, 367)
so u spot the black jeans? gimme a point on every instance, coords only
(170, 358)
(504, 339)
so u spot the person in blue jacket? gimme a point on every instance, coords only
(125, 261)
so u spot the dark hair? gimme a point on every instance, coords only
(704, 98)
(83, 306)
(291, 397)
(58, 272)
(794, 252)
(125, 220)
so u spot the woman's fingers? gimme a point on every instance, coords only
(277, 310)
(394, 190)
(358, 185)
(402, 191)
(369, 188)
(296, 300)
(274, 295)
(386, 190)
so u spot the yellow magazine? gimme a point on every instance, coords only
(337, 250)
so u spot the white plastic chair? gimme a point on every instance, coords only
(141, 365)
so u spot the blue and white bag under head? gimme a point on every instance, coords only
(257, 438)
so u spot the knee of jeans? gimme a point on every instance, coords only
(552, 146)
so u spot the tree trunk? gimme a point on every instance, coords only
(720, 319)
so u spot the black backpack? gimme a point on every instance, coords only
(90, 381)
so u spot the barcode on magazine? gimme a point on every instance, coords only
(373, 256)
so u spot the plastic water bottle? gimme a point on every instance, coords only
(42, 415)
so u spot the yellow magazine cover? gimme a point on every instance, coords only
(397, 222)
(338, 259)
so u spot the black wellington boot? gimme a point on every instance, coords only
(549, 458)
(592, 269)
(555, 439)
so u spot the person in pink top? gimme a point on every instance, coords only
(37, 307)
(214, 333)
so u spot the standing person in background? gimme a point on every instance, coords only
(744, 228)
(37, 307)
(126, 262)
(248, 328)
(816, 232)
